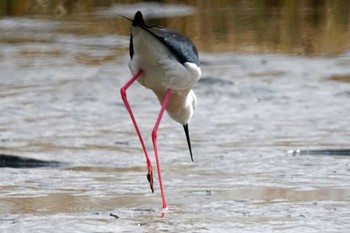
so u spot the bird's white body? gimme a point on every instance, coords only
(163, 71)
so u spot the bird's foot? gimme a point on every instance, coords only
(150, 180)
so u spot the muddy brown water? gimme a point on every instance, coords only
(59, 101)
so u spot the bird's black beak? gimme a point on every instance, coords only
(188, 139)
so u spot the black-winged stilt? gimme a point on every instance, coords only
(166, 62)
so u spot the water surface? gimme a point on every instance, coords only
(59, 89)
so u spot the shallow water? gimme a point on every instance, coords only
(60, 101)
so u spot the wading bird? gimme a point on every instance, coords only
(166, 62)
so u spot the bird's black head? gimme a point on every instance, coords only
(138, 19)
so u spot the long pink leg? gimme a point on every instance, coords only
(123, 94)
(154, 139)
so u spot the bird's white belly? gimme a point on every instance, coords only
(161, 68)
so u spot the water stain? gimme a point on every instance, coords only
(94, 60)
(340, 78)
(35, 53)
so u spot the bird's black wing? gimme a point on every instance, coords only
(182, 47)
(176, 42)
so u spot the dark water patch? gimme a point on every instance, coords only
(15, 161)
(272, 73)
(330, 152)
(207, 80)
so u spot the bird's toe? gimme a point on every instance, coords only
(150, 180)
